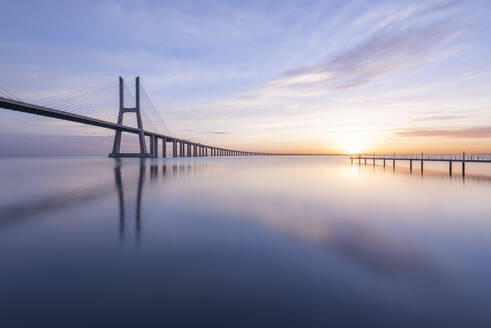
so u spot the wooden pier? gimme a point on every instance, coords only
(463, 159)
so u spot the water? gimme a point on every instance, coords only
(242, 242)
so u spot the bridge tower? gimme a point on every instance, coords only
(122, 110)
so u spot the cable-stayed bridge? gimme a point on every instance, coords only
(91, 107)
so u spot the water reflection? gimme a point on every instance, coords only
(438, 172)
(261, 242)
(177, 170)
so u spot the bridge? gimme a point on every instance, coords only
(450, 159)
(180, 146)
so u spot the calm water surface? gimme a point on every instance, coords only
(249, 242)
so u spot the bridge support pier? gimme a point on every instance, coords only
(151, 145)
(116, 153)
(154, 143)
(174, 149)
(156, 147)
(164, 147)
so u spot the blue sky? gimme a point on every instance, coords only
(303, 76)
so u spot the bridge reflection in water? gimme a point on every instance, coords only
(177, 170)
(284, 238)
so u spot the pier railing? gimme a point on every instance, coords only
(421, 158)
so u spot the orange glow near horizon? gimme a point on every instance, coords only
(353, 142)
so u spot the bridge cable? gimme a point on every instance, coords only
(9, 94)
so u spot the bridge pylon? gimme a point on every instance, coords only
(116, 153)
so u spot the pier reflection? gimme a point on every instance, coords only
(435, 172)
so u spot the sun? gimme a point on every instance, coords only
(353, 149)
(352, 143)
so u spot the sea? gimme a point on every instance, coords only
(276, 241)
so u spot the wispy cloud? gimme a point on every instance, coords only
(208, 132)
(392, 47)
(440, 118)
(474, 132)
(218, 132)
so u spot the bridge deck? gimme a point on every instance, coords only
(49, 112)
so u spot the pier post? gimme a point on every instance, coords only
(365, 161)
(411, 165)
(450, 167)
(174, 149)
(164, 147)
(384, 161)
(373, 160)
(422, 165)
(463, 164)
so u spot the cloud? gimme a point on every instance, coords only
(390, 48)
(218, 132)
(207, 132)
(440, 118)
(477, 132)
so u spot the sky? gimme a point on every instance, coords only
(280, 76)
